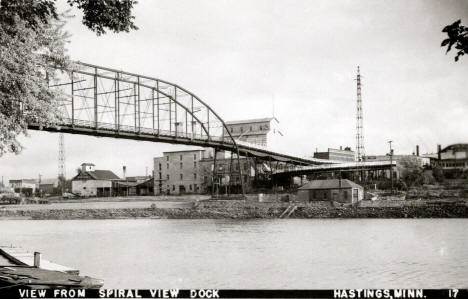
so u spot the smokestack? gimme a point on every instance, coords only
(124, 168)
(417, 150)
(37, 259)
(438, 151)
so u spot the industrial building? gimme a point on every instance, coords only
(259, 131)
(178, 172)
(337, 190)
(130, 186)
(454, 156)
(345, 155)
(401, 160)
(193, 170)
(226, 177)
(48, 186)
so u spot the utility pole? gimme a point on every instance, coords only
(61, 163)
(391, 164)
(61, 156)
(39, 185)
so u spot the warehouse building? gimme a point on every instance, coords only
(337, 190)
(178, 172)
(91, 182)
(454, 156)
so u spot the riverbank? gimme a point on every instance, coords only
(251, 210)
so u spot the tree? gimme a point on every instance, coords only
(458, 37)
(32, 47)
(110, 14)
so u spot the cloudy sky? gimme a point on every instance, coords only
(241, 56)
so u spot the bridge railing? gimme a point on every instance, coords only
(132, 129)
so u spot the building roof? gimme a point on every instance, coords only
(30, 181)
(97, 175)
(90, 164)
(185, 151)
(455, 146)
(249, 121)
(49, 181)
(330, 184)
(103, 175)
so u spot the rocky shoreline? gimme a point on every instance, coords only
(244, 210)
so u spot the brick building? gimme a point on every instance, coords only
(178, 172)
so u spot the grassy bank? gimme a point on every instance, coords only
(247, 210)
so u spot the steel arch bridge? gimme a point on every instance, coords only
(106, 102)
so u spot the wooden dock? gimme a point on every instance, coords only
(23, 257)
(21, 268)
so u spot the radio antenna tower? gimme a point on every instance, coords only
(61, 156)
(360, 153)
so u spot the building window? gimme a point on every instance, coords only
(167, 165)
(159, 166)
(194, 164)
(190, 187)
(181, 165)
(246, 166)
(180, 157)
(250, 128)
(194, 156)
(232, 130)
(242, 129)
(167, 176)
(173, 187)
(194, 176)
(181, 176)
(195, 187)
(261, 128)
(167, 158)
(160, 175)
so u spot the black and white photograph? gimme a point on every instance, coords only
(233, 149)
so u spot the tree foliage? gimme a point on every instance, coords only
(110, 14)
(29, 48)
(32, 47)
(457, 38)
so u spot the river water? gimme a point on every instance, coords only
(277, 253)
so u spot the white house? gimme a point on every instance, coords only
(91, 182)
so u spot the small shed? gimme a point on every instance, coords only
(339, 190)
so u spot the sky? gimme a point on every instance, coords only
(244, 57)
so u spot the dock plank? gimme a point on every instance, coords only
(24, 257)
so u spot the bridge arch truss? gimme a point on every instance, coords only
(108, 99)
